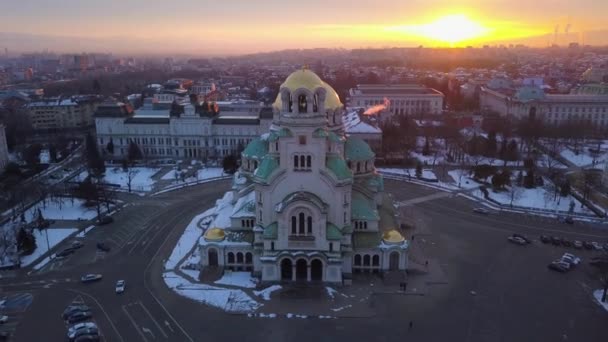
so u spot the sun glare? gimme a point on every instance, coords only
(450, 29)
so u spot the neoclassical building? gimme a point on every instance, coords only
(307, 203)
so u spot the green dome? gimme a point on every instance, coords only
(357, 150)
(256, 149)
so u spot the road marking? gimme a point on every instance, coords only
(102, 309)
(152, 294)
(168, 325)
(153, 320)
(124, 308)
(148, 331)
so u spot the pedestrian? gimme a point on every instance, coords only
(426, 263)
(411, 325)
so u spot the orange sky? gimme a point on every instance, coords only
(238, 26)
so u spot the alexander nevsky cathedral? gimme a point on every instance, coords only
(307, 204)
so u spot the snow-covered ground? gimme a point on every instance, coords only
(462, 176)
(597, 294)
(54, 235)
(265, 293)
(584, 158)
(426, 174)
(61, 208)
(187, 241)
(538, 198)
(141, 180)
(239, 279)
(226, 299)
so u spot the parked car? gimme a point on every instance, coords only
(90, 278)
(120, 286)
(79, 316)
(556, 240)
(571, 259)
(559, 266)
(587, 245)
(596, 246)
(480, 210)
(3, 319)
(73, 309)
(64, 253)
(517, 240)
(105, 220)
(77, 244)
(566, 243)
(578, 244)
(545, 239)
(103, 246)
(81, 326)
(82, 332)
(523, 237)
(569, 220)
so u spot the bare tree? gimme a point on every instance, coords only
(515, 193)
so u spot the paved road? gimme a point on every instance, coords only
(517, 298)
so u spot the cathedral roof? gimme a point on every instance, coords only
(307, 79)
(363, 208)
(256, 149)
(392, 237)
(270, 231)
(339, 168)
(214, 235)
(267, 166)
(357, 149)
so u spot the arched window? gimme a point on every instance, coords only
(290, 103)
(364, 224)
(309, 227)
(231, 258)
(315, 106)
(308, 161)
(358, 260)
(276, 146)
(366, 166)
(301, 230)
(248, 258)
(293, 225)
(295, 161)
(302, 161)
(358, 167)
(302, 104)
(239, 258)
(366, 259)
(255, 165)
(376, 260)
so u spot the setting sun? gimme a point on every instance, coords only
(453, 29)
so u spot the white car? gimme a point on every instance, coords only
(517, 240)
(120, 286)
(596, 246)
(3, 319)
(483, 211)
(85, 325)
(570, 259)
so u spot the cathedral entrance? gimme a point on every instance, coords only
(316, 270)
(393, 262)
(301, 270)
(286, 269)
(212, 257)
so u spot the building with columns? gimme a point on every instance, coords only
(307, 204)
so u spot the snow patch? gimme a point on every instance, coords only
(240, 279)
(265, 293)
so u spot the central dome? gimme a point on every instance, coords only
(309, 80)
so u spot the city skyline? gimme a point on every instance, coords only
(236, 27)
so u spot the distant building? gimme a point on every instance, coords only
(403, 99)
(587, 103)
(52, 114)
(187, 130)
(3, 148)
(355, 127)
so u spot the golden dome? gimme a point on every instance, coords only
(307, 79)
(392, 237)
(214, 235)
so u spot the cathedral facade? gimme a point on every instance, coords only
(307, 203)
